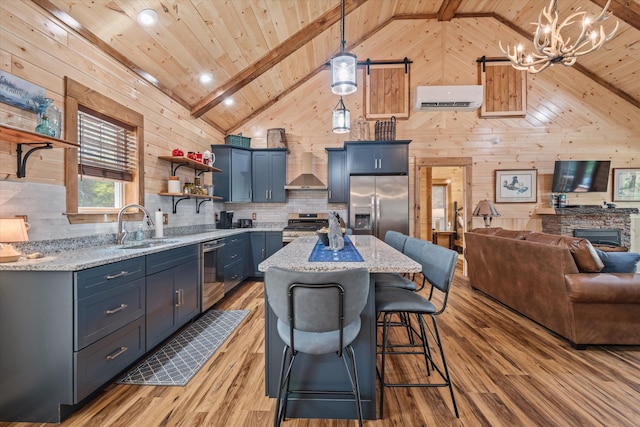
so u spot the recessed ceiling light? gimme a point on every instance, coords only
(228, 101)
(147, 17)
(205, 78)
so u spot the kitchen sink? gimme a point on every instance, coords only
(146, 245)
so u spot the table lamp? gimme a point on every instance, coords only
(487, 210)
(11, 230)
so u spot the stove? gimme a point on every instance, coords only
(303, 224)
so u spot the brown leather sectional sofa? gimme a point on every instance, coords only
(555, 281)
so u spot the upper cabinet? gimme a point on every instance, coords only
(269, 175)
(377, 158)
(234, 183)
(338, 176)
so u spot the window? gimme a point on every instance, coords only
(106, 158)
(439, 207)
(105, 173)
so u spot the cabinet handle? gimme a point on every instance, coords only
(266, 194)
(115, 310)
(379, 163)
(234, 256)
(178, 298)
(115, 276)
(262, 253)
(329, 194)
(117, 353)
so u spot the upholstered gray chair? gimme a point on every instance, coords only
(439, 265)
(318, 313)
(411, 247)
(396, 240)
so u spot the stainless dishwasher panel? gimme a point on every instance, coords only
(212, 287)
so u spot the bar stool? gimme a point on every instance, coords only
(439, 265)
(411, 247)
(318, 313)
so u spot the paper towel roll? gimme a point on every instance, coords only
(158, 223)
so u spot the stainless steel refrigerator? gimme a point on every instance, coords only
(378, 204)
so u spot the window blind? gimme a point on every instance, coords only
(108, 147)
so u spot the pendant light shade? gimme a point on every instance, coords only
(341, 120)
(343, 67)
(343, 74)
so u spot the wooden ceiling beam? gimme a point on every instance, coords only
(274, 57)
(448, 9)
(625, 10)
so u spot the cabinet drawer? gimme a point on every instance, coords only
(234, 273)
(108, 357)
(103, 313)
(99, 279)
(166, 259)
(235, 249)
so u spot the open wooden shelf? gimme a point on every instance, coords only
(20, 136)
(39, 141)
(185, 161)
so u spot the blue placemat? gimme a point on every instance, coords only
(349, 253)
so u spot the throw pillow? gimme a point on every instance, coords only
(619, 262)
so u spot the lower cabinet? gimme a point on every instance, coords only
(263, 245)
(236, 260)
(172, 292)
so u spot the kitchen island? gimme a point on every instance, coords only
(326, 372)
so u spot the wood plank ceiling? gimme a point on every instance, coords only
(257, 51)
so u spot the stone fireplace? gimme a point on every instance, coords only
(566, 220)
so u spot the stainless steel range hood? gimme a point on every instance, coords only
(306, 180)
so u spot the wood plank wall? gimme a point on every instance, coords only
(36, 48)
(568, 115)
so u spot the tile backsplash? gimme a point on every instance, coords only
(45, 204)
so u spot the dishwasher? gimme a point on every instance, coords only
(212, 283)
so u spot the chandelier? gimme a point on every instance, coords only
(343, 67)
(551, 46)
(341, 120)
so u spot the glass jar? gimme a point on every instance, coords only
(49, 119)
(188, 188)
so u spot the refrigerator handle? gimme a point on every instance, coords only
(373, 215)
(377, 219)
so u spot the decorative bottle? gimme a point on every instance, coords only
(49, 120)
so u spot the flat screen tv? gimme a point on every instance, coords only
(580, 176)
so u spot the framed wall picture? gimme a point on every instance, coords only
(626, 185)
(517, 186)
(20, 93)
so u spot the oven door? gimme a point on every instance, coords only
(212, 289)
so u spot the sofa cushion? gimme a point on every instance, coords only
(513, 234)
(584, 255)
(486, 230)
(619, 262)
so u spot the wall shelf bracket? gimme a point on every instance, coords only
(22, 161)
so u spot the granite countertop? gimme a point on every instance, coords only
(93, 256)
(378, 257)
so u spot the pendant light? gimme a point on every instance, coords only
(341, 120)
(343, 68)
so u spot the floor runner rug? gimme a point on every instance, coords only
(178, 360)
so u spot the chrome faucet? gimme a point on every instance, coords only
(122, 232)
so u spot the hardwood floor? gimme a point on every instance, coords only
(507, 371)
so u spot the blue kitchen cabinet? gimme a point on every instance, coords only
(233, 184)
(172, 282)
(269, 175)
(263, 245)
(377, 158)
(338, 179)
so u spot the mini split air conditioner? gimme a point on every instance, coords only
(448, 98)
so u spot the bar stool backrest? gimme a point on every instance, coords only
(395, 239)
